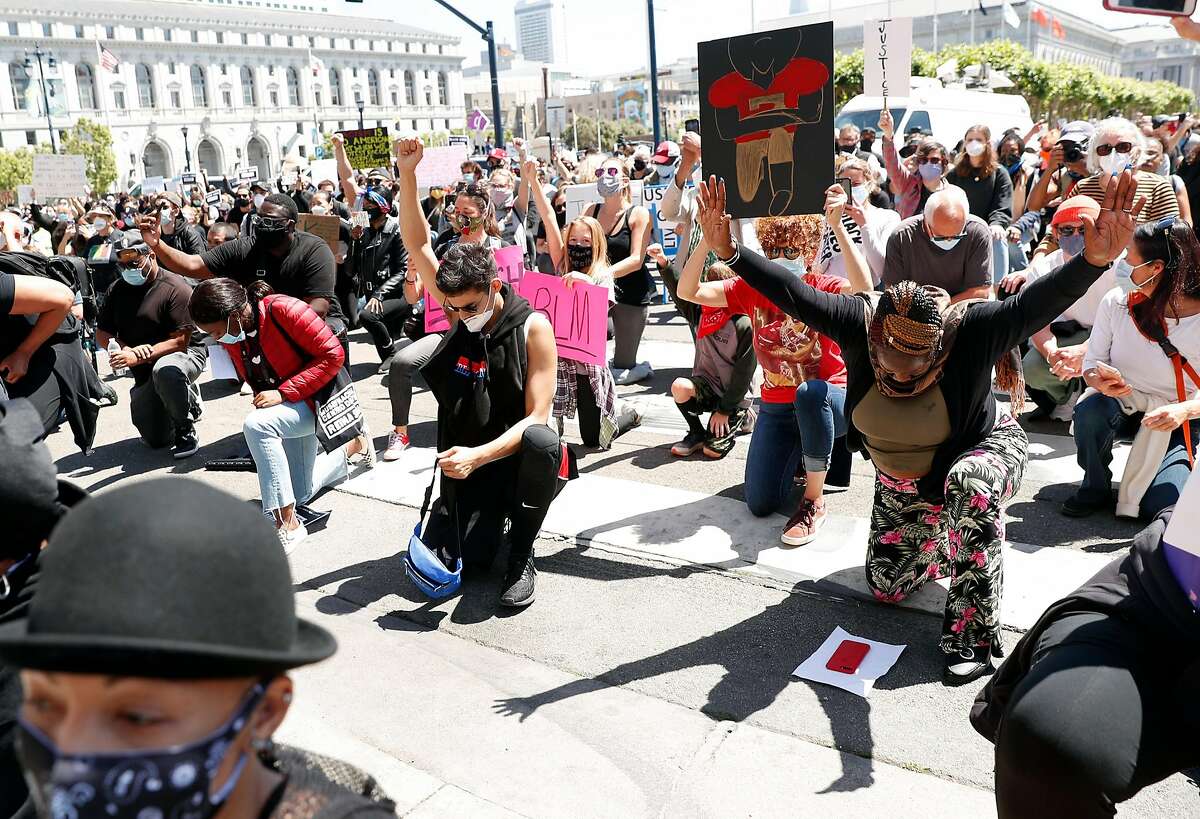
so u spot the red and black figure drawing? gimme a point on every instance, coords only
(764, 97)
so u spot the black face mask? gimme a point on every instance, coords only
(639, 164)
(579, 258)
(373, 213)
(240, 202)
(846, 149)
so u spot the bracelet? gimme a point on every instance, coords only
(737, 254)
(410, 281)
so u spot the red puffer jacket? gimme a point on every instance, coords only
(301, 377)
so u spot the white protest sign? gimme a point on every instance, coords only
(580, 196)
(458, 139)
(59, 176)
(887, 57)
(153, 184)
(322, 170)
(24, 195)
(248, 175)
(440, 166)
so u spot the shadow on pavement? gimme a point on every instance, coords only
(142, 459)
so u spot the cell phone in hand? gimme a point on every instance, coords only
(846, 184)
(848, 657)
(1165, 8)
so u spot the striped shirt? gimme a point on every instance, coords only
(1158, 191)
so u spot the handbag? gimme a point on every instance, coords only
(336, 409)
(424, 568)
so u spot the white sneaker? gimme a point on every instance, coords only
(397, 443)
(1063, 412)
(245, 389)
(747, 427)
(290, 538)
(365, 457)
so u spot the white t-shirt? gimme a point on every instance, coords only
(1084, 310)
(1116, 341)
(871, 238)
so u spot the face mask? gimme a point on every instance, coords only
(1114, 162)
(845, 149)
(974, 148)
(241, 202)
(946, 244)
(466, 224)
(468, 177)
(269, 234)
(100, 224)
(319, 210)
(132, 274)
(608, 186)
(929, 171)
(232, 338)
(164, 217)
(500, 197)
(860, 193)
(794, 266)
(1071, 245)
(258, 200)
(665, 172)
(166, 783)
(1147, 281)
(866, 145)
(477, 322)
(373, 214)
(437, 195)
(579, 258)
(639, 164)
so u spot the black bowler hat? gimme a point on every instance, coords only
(164, 578)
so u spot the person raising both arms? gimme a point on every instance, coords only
(493, 376)
(919, 401)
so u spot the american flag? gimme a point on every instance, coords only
(108, 60)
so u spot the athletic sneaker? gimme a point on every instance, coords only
(718, 446)
(385, 360)
(397, 443)
(520, 584)
(186, 442)
(290, 538)
(747, 427)
(365, 457)
(245, 389)
(636, 373)
(692, 443)
(804, 526)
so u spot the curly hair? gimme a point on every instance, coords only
(908, 320)
(801, 233)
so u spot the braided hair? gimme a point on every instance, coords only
(908, 320)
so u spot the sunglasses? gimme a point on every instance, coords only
(131, 257)
(1122, 148)
(268, 224)
(469, 310)
(932, 160)
(962, 235)
(1070, 230)
(600, 172)
(789, 253)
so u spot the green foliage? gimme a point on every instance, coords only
(16, 167)
(1051, 89)
(610, 132)
(94, 142)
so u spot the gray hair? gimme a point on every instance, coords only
(1120, 128)
(848, 128)
(949, 197)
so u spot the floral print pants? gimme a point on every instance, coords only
(913, 541)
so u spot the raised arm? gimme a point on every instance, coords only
(413, 228)
(898, 176)
(185, 264)
(858, 272)
(345, 171)
(545, 212)
(839, 317)
(689, 288)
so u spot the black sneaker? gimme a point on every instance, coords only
(186, 442)
(519, 585)
(692, 443)
(1077, 507)
(970, 664)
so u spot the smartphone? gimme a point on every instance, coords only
(848, 656)
(846, 184)
(1165, 8)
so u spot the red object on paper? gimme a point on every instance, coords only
(1057, 30)
(848, 656)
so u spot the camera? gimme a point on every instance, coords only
(1074, 153)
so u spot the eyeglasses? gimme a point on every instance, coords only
(611, 171)
(268, 224)
(1070, 230)
(789, 253)
(131, 256)
(932, 160)
(470, 310)
(1122, 148)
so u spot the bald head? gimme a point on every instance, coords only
(946, 212)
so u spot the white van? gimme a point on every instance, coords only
(947, 113)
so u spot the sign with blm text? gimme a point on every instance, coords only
(59, 176)
(579, 315)
(368, 148)
(887, 57)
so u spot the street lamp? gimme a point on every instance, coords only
(361, 104)
(489, 36)
(187, 153)
(53, 64)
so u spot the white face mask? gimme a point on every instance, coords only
(974, 147)
(946, 244)
(860, 194)
(795, 266)
(100, 224)
(258, 200)
(1147, 281)
(477, 322)
(1114, 162)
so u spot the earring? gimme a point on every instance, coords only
(287, 698)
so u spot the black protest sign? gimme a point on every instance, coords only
(368, 148)
(766, 113)
(213, 197)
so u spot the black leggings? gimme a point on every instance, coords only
(518, 488)
(385, 326)
(1103, 712)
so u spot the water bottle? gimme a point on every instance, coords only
(114, 347)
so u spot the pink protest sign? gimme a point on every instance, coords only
(579, 315)
(510, 264)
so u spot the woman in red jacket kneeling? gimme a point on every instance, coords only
(286, 353)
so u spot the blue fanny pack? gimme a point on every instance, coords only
(427, 571)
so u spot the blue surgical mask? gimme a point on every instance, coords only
(230, 338)
(132, 275)
(947, 244)
(172, 782)
(794, 266)
(1071, 245)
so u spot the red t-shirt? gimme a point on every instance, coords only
(789, 352)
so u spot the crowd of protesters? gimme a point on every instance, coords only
(941, 288)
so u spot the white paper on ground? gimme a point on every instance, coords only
(879, 661)
(222, 364)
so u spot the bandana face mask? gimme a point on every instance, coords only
(172, 783)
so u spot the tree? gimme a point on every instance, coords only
(16, 168)
(610, 132)
(94, 142)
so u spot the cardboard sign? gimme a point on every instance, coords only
(326, 227)
(440, 166)
(153, 184)
(763, 128)
(579, 315)
(458, 139)
(887, 57)
(25, 195)
(368, 148)
(248, 175)
(59, 176)
(510, 264)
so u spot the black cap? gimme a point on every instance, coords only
(164, 578)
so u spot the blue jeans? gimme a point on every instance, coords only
(292, 467)
(784, 435)
(1099, 422)
(999, 259)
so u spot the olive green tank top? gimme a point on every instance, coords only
(902, 434)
